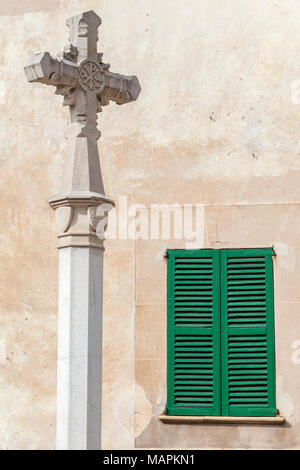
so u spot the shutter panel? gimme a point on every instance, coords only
(247, 333)
(194, 332)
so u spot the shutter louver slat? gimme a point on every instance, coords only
(247, 333)
(193, 327)
(193, 359)
(193, 300)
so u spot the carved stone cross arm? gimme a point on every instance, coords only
(89, 76)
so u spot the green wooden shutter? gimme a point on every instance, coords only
(193, 332)
(247, 333)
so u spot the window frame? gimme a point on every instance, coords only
(221, 406)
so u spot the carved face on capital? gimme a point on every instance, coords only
(68, 93)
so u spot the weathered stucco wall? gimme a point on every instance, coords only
(225, 227)
(217, 124)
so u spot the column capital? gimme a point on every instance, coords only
(81, 218)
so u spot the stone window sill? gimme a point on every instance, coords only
(271, 420)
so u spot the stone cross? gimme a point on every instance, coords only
(81, 207)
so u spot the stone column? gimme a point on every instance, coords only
(79, 348)
(79, 361)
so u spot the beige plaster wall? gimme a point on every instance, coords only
(216, 124)
(235, 226)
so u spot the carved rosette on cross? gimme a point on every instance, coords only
(86, 83)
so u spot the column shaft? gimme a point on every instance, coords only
(79, 348)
